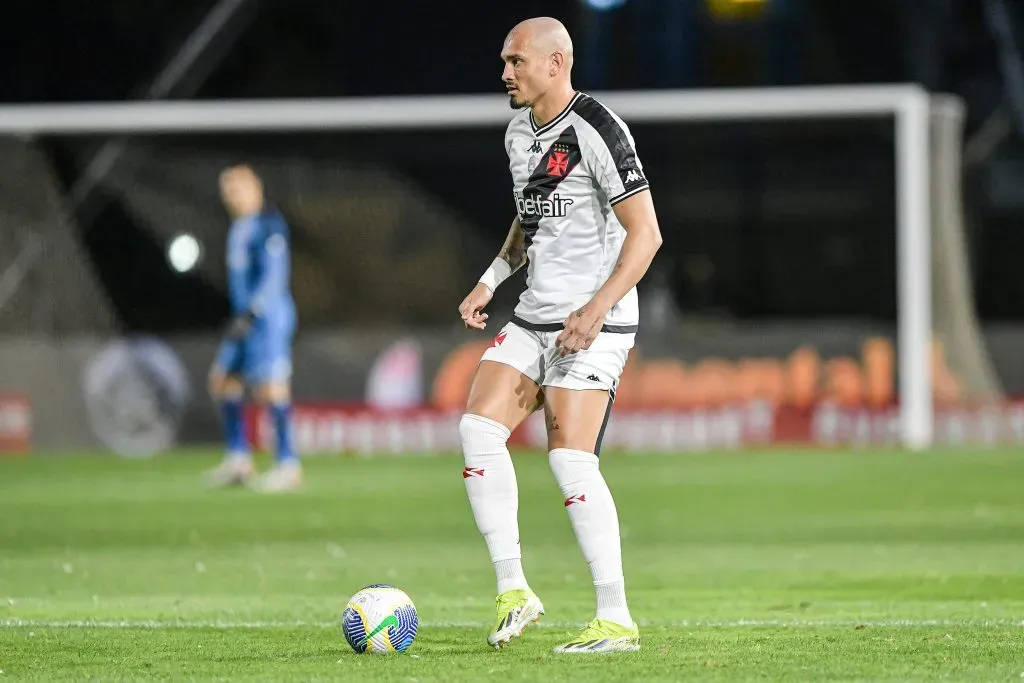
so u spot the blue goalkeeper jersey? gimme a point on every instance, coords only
(259, 267)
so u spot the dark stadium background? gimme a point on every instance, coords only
(779, 236)
(66, 51)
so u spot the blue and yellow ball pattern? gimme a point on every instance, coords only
(380, 619)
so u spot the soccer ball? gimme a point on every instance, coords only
(380, 619)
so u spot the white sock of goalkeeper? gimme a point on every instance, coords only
(493, 494)
(596, 524)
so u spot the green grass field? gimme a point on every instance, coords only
(739, 566)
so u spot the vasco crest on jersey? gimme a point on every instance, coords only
(558, 160)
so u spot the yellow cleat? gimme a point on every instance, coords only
(517, 609)
(602, 636)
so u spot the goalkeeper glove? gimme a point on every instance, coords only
(240, 325)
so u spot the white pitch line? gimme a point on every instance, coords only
(697, 623)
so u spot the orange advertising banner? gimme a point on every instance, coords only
(15, 424)
(350, 429)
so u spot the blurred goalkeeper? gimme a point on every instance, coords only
(257, 346)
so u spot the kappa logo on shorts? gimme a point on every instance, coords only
(497, 340)
(594, 378)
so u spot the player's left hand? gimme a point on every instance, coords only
(580, 329)
(240, 326)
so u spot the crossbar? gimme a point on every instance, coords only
(376, 113)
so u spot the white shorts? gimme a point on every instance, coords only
(534, 354)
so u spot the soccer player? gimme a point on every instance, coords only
(256, 350)
(586, 226)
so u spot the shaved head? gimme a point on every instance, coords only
(538, 58)
(241, 190)
(545, 35)
(240, 173)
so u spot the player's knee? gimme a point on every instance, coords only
(275, 392)
(224, 387)
(481, 435)
(566, 437)
(215, 384)
(502, 393)
(270, 393)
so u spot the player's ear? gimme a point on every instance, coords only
(557, 60)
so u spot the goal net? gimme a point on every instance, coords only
(815, 259)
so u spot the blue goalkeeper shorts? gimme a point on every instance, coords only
(264, 356)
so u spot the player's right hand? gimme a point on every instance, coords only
(240, 326)
(471, 307)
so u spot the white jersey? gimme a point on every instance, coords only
(566, 176)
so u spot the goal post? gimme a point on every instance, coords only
(912, 108)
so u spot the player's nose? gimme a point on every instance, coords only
(506, 74)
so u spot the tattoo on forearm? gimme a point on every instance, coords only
(513, 255)
(514, 250)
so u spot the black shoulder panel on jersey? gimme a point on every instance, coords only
(594, 113)
(615, 139)
(537, 202)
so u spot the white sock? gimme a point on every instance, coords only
(494, 496)
(596, 524)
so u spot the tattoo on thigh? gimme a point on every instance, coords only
(552, 423)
